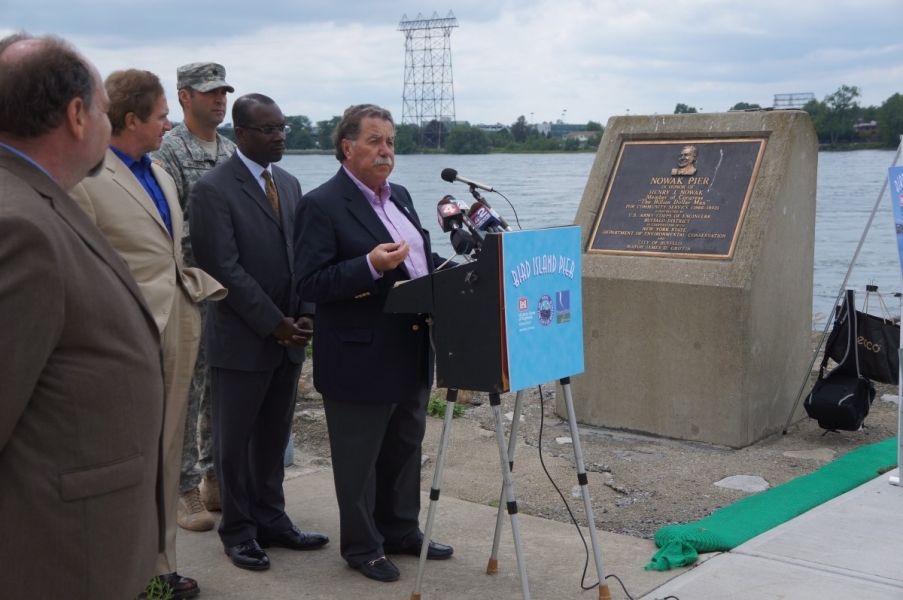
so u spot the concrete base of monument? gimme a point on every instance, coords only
(698, 236)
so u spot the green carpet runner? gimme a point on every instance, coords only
(728, 527)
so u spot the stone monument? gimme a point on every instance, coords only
(698, 235)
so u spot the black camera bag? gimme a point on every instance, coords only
(840, 401)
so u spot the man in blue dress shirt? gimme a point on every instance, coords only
(135, 204)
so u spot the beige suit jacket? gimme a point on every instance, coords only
(117, 202)
(81, 402)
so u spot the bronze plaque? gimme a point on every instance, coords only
(677, 199)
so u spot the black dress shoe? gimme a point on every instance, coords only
(182, 587)
(380, 569)
(248, 555)
(434, 551)
(295, 539)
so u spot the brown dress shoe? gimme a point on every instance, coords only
(182, 587)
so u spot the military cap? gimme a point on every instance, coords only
(202, 77)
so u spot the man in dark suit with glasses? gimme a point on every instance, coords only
(242, 222)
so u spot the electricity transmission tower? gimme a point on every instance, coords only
(793, 100)
(428, 99)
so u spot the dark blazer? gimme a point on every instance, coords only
(371, 356)
(81, 402)
(238, 241)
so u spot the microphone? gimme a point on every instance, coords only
(461, 204)
(477, 234)
(449, 214)
(501, 221)
(483, 218)
(451, 176)
(462, 242)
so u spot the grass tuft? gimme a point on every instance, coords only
(436, 408)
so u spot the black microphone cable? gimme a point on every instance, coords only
(516, 219)
(542, 414)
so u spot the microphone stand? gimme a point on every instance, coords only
(478, 196)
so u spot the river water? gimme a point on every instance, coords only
(546, 189)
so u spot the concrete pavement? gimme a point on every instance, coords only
(553, 552)
(849, 547)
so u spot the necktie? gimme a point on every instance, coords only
(272, 194)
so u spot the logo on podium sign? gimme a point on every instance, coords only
(563, 306)
(546, 309)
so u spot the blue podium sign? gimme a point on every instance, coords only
(895, 176)
(543, 305)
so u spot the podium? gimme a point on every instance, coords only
(507, 321)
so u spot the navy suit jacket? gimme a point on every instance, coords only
(362, 354)
(238, 240)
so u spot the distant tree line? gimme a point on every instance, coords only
(303, 134)
(520, 136)
(835, 118)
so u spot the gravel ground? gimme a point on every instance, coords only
(638, 483)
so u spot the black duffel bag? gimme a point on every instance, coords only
(840, 401)
(841, 398)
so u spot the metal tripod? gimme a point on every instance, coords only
(507, 498)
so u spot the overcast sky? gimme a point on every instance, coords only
(537, 58)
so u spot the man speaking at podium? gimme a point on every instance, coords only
(355, 237)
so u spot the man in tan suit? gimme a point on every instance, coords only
(81, 378)
(136, 205)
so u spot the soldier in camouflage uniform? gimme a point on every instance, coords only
(191, 149)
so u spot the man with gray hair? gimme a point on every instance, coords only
(192, 148)
(81, 399)
(376, 419)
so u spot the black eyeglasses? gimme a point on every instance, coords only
(269, 130)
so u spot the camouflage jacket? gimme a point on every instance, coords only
(186, 161)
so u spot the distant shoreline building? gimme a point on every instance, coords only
(867, 130)
(559, 129)
(490, 128)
